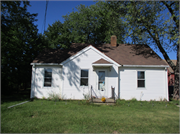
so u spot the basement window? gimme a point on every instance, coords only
(141, 79)
(47, 77)
(84, 77)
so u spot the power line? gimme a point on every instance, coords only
(45, 16)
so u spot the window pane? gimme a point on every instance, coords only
(101, 83)
(101, 76)
(47, 77)
(47, 84)
(84, 73)
(101, 86)
(140, 75)
(48, 74)
(84, 82)
(141, 83)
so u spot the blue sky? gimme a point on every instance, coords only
(57, 9)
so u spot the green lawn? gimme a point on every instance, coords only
(43, 116)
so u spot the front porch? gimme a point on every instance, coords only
(97, 100)
(102, 88)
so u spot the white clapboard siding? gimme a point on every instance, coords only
(71, 75)
(155, 84)
(40, 90)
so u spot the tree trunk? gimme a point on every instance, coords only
(161, 49)
(176, 72)
(171, 64)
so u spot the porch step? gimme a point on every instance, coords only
(107, 101)
(104, 103)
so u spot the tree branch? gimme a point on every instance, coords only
(172, 4)
(166, 57)
(172, 13)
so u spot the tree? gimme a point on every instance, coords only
(94, 24)
(147, 25)
(20, 44)
(57, 35)
(173, 8)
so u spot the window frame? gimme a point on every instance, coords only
(141, 79)
(84, 78)
(46, 77)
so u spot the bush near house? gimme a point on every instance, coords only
(43, 116)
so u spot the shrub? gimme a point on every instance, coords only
(53, 97)
(118, 101)
(87, 96)
(133, 99)
(62, 97)
(35, 98)
(48, 98)
(165, 99)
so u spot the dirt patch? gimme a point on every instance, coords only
(115, 132)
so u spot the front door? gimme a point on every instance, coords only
(102, 83)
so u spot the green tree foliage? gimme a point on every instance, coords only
(148, 23)
(20, 44)
(94, 24)
(57, 35)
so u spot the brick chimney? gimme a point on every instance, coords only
(113, 40)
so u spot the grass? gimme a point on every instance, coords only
(43, 116)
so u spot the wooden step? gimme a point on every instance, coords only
(104, 103)
(107, 101)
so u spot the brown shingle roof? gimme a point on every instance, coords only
(169, 68)
(124, 54)
(102, 61)
(58, 55)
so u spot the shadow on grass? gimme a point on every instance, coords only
(14, 96)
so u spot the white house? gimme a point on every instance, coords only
(135, 71)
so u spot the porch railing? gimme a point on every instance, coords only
(112, 97)
(91, 94)
(113, 93)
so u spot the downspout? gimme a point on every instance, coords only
(60, 81)
(62, 89)
(33, 82)
(119, 82)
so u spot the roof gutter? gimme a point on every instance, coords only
(46, 64)
(105, 65)
(145, 65)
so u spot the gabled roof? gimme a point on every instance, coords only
(169, 68)
(58, 55)
(123, 54)
(102, 61)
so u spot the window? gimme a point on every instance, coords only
(47, 77)
(101, 81)
(141, 79)
(84, 77)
